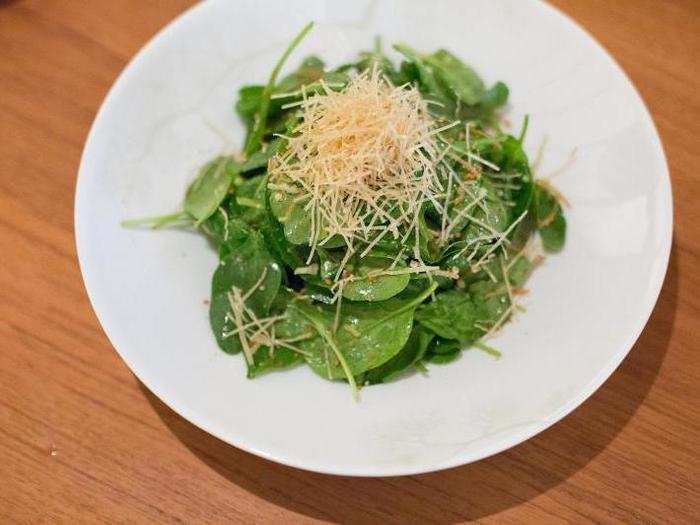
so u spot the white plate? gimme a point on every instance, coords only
(171, 110)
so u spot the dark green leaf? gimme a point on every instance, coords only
(465, 315)
(550, 219)
(249, 201)
(452, 315)
(242, 268)
(249, 98)
(491, 301)
(290, 212)
(461, 80)
(428, 241)
(442, 359)
(368, 334)
(440, 345)
(280, 248)
(411, 353)
(519, 270)
(428, 83)
(296, 220)
(227, 232)
(259, 159)
(378, 288)
(208, 190)
(554, 234)
(495, 97)
(265, 360)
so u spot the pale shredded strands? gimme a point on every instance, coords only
(363, 161)
(253, 332)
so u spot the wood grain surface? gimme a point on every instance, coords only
(82, 441)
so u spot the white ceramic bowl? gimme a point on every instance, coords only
(171, 110)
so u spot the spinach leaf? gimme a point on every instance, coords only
(368, 334)
(470, 218)
(478, 227)
(227, 232)
(459, 78)
(465, 316)
(296, 221)
(507, 152)
(455, 86)
(554, 234)
(247, 210)
(440, 345)
(280, 248)
(242, 268)
(266, 360)
(519, 270)
(259, 159)
(290, 212)
(319, 294)
(378, 288)
(495, 97)
(249, 202)
(442, 359)
(452, 315)
(515, 160)
(491, 301)
(550, 219)
(281, 120)
(248, 104)
(376, 58)
(428, 240)
(208, 190)
(411, 353)
(428, 83)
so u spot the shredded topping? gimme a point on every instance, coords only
(363, 161)
(254, 332)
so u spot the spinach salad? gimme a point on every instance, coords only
(377, 220)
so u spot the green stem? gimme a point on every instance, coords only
(159, 221)
(415, 302)
(523, 130)
(256, 136)
(331, 342)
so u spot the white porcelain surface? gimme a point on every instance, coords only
(171, 110)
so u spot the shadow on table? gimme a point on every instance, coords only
(469, 492)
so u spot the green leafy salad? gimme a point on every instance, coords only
(378, 219)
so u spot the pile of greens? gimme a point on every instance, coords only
(269, 301)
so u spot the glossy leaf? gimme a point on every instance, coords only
(461, 80)
(208, 190)
(550, 219)
(411, 353)
(378, 288)
(368, 334)
(242, 268)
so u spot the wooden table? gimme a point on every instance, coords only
(82, 440)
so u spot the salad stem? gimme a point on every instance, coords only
(256, 136)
